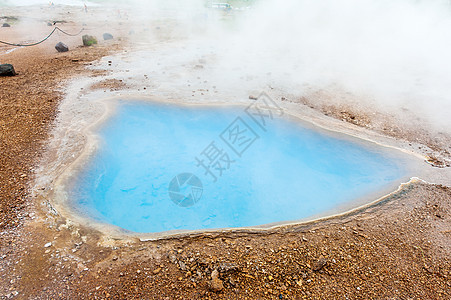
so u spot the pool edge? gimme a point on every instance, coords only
(58, 196)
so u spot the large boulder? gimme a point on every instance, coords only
(61, 47)
(107, 36)
(89, 40)
(6, 25)
(7, 70)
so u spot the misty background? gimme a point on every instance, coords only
(392, 57)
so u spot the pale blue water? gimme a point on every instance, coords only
(288, 173)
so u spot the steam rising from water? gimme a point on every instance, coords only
(390, 56)
(393, 54)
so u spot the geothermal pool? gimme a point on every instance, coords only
(162, 167)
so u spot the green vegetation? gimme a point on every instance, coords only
(89, 40)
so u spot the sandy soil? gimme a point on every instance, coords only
(399, 249)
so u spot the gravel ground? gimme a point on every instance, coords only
(398, 249)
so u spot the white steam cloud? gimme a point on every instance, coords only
(391, 55)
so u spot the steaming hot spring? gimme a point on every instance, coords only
(240, 149)
(159, 167)
(206, 130)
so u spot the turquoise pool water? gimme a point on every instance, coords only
(165, 167)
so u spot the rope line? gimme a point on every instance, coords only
(46, 38)
(81, 30)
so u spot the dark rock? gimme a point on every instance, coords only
(107, 36)
(61, 47)
(319, 264)
(6, 25)
(7, 70)
(89, 40)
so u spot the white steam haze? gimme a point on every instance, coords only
(392, 56)
(36, 2)
(388, 56)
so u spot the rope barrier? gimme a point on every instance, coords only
(81, 30)
(46, 38)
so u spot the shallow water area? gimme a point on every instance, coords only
(162, 167)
